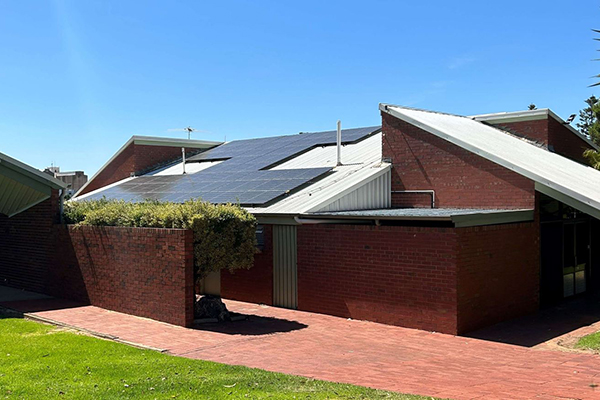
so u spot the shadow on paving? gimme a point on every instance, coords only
(38, 305)
(255, 325)
(544, 325)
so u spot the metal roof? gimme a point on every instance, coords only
(22, 186)
(248, 172)
(568, 181)
(153, 141)
(361, 165)
(458, 216)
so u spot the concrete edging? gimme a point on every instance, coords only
(37, 318)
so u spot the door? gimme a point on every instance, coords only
(285, 272)
(551, 279)
(576, 240)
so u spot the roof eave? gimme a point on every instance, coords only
(151, 141)
(31, 172)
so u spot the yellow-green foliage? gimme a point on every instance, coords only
(224, 234)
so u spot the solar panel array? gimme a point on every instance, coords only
(242, 177)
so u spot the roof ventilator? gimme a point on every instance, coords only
(339, 143)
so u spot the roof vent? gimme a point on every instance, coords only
(339, 143)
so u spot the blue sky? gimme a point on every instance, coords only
(78, 78)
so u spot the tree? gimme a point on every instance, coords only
(594, 129)
(589, 121)
(587, 116)
(593, 158)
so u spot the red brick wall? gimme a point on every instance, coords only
(390, 274)
(136, 159)
(536, 130)
(26, 245)
(256, 284)
(565, 142)
(498, 273)
(460, 178)
(551, 133)
(140, 271)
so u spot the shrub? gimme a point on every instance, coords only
(224, 235)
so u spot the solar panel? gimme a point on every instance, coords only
(242, 177)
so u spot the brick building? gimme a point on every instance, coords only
(29, 207)
(431, 221)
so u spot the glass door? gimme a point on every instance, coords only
(576, 257)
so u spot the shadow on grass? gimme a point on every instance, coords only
(254, 325)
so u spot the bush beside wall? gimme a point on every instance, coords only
(224, 234)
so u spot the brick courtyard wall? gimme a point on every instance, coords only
(498, 273)
(135, 159)
(422, 161)
(256, 284)
(395, 275)
(140, 271)
(26, 245)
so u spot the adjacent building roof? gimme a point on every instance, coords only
(570, 182)
(458, 216)
(22, 186)
(253, 173)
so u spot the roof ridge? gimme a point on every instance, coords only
(375, 127)
(422, 109)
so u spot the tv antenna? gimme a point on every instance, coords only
(187, 129)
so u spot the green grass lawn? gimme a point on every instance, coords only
(589, 342)
(39, 361)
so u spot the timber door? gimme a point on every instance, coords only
(285, 272)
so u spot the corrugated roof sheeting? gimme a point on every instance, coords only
(577, 184)
(365, 151)
(22, 187)
(16, 197)
(376, 193)
(362, 182)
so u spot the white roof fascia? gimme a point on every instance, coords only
(31, 172)
(514, 116)
(173, 142)
(507, 217)
(532, 115)
(152, 141)
(549, 170)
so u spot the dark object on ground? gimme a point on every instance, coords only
(211, 307)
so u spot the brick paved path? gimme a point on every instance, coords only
(357, 352)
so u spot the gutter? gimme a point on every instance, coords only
(315, 221)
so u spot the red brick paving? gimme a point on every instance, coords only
(362, 353)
